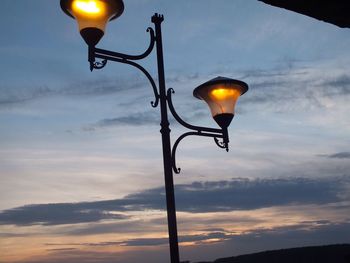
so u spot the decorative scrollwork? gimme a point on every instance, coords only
(154, 103)
(220, 144)
(173, 151)
(100, 64)
(142, 69)
(197, 133)
(112, 54)
(107, 55)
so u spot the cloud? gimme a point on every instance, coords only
(247, 194)
(98, 244)
(136, 119)
(90, 88)
(13, 96)
(62, 249)
(339, 155)
(139, 119)
(105, 86)
(299, 85)
(184, 238)
(340, 85)
(54, 214)
(198, 197)
(93, 256)
(219, 244)
(317, 228)
(121, 227)
(313, 230)
(302, 85)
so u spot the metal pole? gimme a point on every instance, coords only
(165, 131)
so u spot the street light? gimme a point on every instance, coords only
(220, 93)
(92, 16)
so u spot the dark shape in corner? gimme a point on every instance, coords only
(335, 12)
(319, 254)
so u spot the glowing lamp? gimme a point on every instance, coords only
(92, 16)
(221, 95)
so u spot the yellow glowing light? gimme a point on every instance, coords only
(224, 99)
(88, 7)
(223, 94)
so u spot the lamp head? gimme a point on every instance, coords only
(221, 95)
(92, 16)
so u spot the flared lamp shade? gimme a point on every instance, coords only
(221, 95)
(92, 16)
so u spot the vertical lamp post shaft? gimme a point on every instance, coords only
(165, 131)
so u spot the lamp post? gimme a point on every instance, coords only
(220, 93)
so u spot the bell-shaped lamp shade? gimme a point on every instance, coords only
(92, 16)
(221, 95)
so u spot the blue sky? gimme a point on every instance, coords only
(80, 158)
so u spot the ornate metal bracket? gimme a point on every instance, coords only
(220, 135)
(197, 130)
(107, 55)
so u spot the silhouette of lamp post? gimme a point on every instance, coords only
(220, 93)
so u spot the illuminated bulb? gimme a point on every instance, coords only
(92, 16)
(87, 7)
(223, 94)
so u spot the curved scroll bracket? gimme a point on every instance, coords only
(219, 143)
(173, 151)
(197, 130)
(98, 51)
(176, 169)
(107, 55)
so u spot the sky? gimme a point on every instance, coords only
(81, 176)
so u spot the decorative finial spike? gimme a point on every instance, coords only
(157, 18)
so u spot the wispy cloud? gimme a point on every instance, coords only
(197, 239)
(61, 249)
(303, 85)
(98, 244)
(138, 119)
(224, 235)
(99, 87)
(198, 197)
(317, 230)
(12, 96)
(92, 88)
(303, 234)
(55, 214)
(135, 119)
(339, 155)
(300, 85)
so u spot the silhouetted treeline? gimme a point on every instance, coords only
(319, 254)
